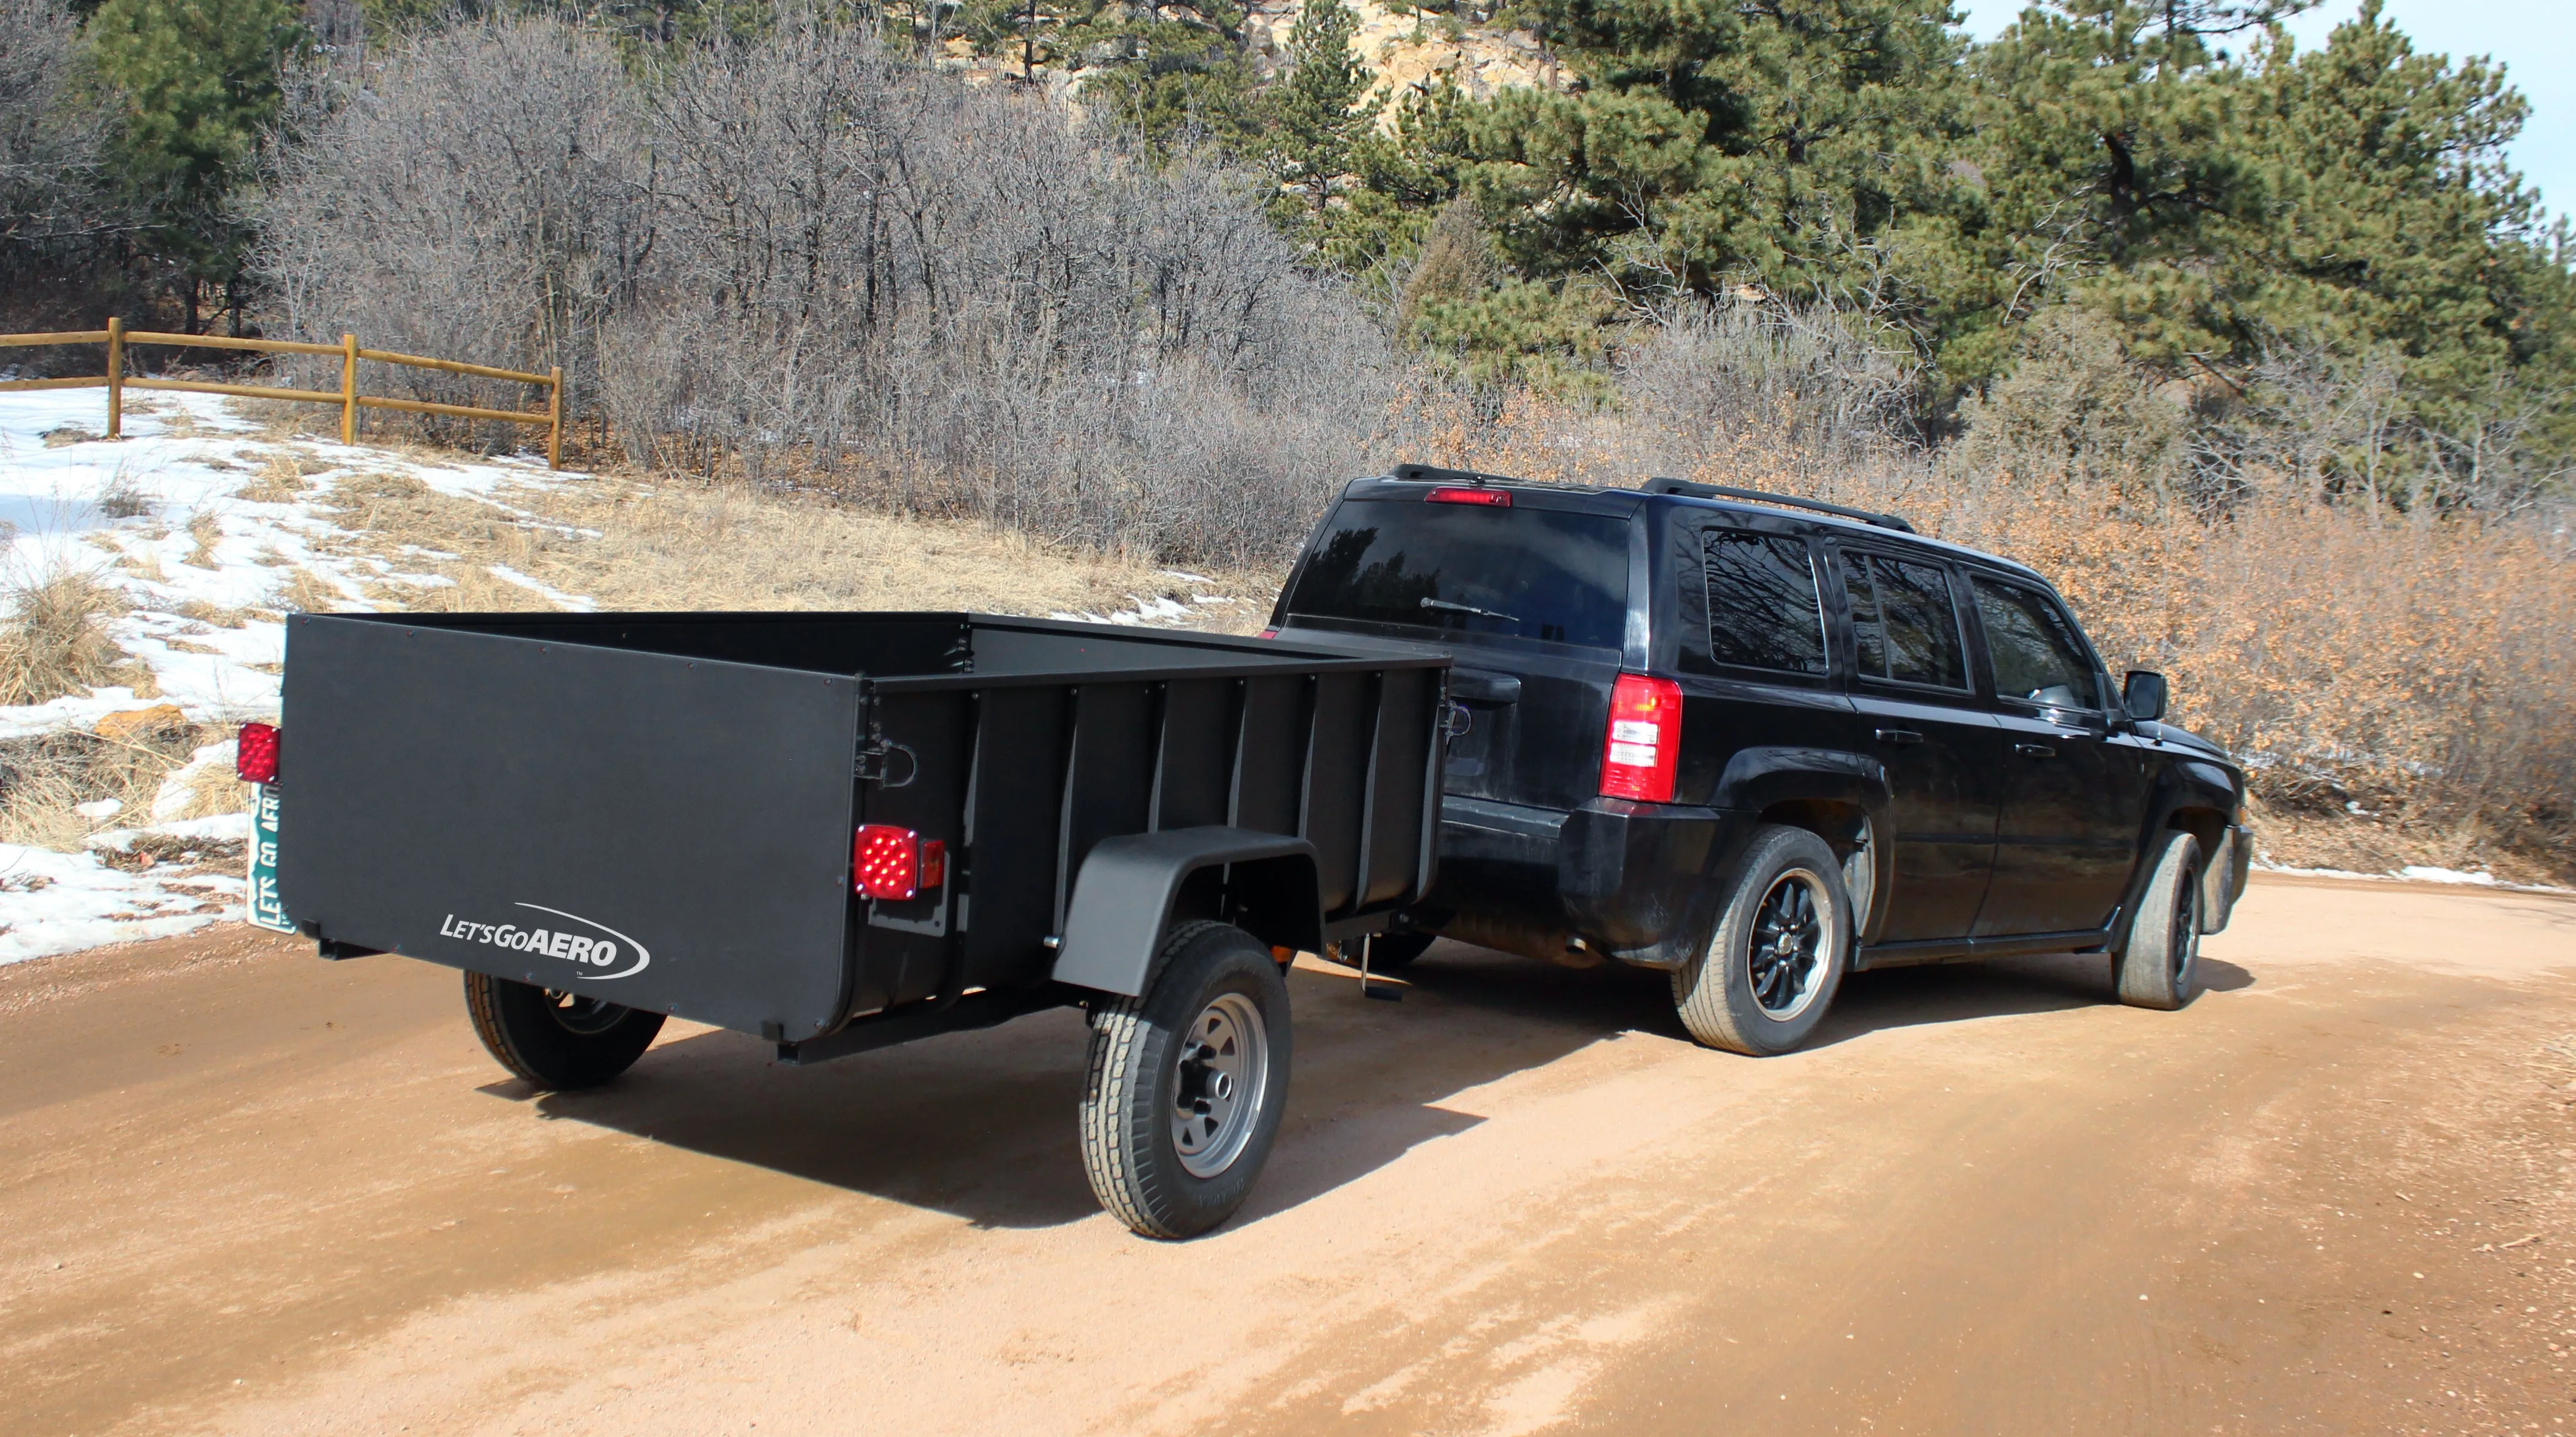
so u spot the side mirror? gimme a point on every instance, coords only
(2143, 695)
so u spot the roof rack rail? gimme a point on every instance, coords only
(1721, 491)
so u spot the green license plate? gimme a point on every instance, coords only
(267, 910)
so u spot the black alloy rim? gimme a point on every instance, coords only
(1788, 939)
(2186, 927)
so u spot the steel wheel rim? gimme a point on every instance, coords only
(582, 1014)
(1787, 955)
(1219, 1082)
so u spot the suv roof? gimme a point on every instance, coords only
(1854, 523)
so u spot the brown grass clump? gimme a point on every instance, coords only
(303, 591)
(54, 640)
(279, 481)
(220, 617)
(208, 531)
(43, 778)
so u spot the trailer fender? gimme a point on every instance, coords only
(1125, 897)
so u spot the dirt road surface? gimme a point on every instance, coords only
(246, 1191)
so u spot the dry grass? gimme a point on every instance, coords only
(206, 613)
(207, 531)
(684, 545)
(44, 778)
(54, 640)
(281, 479)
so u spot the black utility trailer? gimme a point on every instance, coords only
(843, 831)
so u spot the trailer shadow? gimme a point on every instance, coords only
(981, 1124)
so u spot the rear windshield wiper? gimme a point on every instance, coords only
(1469, 609)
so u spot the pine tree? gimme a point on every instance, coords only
(199, 81)
(1315, 114)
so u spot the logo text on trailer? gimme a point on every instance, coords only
(556, 942)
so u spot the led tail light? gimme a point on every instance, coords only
(255, 753)
(1644, 739)
(1496, 498)
(895, 863)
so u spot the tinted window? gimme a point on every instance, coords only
(1902, 622)
(1532, 573)
(1762, 608)
(2033, 645)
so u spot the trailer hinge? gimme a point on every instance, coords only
(875, 758)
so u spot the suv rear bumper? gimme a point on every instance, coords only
(1630, 880)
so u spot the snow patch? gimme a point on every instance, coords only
(161, 516)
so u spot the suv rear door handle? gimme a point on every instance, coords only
(2034, 750)
(1899, 735)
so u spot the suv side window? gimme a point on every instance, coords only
(1764, 611)
(2036, 654)
(1904, 627)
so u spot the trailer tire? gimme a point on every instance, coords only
(1166, 1139)
(556, 1040)
(1787, 900)
(2159, 965)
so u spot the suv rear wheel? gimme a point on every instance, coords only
(1777, 956)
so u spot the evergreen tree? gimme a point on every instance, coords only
(198, 82)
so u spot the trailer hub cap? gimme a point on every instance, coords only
(1217, 1084)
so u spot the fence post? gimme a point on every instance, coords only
(554, 414)
(348, 388)
(115, 378)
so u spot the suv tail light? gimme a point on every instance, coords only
(255, 753)
(1497, 498)
(1644, 739)
(895, 863)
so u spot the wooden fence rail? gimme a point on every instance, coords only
(116, 337)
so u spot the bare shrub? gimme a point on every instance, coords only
(55, 202)
(486, 195)
(54, 640)
(845, 274)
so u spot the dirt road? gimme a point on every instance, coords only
(242, 1190)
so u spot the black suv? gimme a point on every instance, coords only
(1758, 741)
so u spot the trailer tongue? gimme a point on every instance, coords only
(841, 831)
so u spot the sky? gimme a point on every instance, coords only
(2535, 40)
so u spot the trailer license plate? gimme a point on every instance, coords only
(267, 910)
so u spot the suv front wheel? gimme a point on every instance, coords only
(1778, 953)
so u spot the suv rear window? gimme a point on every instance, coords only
(1471, 568)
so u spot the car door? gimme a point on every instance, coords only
(1753, 662)
(2072, 795)
(1920, 716)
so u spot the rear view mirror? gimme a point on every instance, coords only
(2143, 695)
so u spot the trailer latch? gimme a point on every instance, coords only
(873, 757)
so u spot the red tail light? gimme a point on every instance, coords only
(1269, 633)
(255, 753)
(895, 863)
(1644, 739)
(1497, 498)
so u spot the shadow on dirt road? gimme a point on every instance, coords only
(980, 1124)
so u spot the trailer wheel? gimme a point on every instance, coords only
(556, 1040)
(1187, 1083)
(1771, 968)
(2159, 967)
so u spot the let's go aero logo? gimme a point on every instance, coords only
(561, 943)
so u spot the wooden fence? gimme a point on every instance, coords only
(116, 337)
